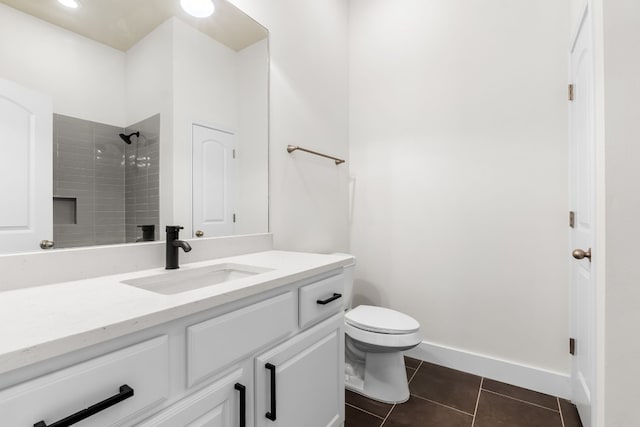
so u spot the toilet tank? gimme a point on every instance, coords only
(348, 271)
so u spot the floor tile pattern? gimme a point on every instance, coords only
(445, 397)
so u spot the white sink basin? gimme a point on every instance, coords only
(177, 281)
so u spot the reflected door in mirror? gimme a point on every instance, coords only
(25, 176)
(213, 181)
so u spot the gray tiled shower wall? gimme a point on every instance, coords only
(89, 171)
(142, 178)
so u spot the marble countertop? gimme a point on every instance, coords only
(42, 322)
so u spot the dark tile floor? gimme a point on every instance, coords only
(443, 397)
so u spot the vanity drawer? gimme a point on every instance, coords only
(321, 299)
(216, 343)
(142, 369)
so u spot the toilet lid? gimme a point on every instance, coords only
(381, 320)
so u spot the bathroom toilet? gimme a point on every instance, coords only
(375, 338)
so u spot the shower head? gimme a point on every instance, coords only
(127, 138)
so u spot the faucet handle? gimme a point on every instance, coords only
(174, 228)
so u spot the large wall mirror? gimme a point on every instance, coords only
(151, 117)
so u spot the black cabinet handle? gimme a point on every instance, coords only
(125, 393)
(272, 414)
(243, 403)
(328, 300)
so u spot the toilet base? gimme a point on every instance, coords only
(384, 378)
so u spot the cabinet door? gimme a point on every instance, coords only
(308, 371)
(218, 405)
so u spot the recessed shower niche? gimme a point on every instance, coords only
(65, 210)
(106, 178)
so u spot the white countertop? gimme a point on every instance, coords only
(39, 323)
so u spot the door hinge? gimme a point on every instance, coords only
(571, 92)
(572, 346)
(572, 219)
(234, 217)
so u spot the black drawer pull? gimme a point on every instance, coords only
(125, 393)
(272, 413)
(328, 300)
(243, 403)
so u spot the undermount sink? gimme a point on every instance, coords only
(175, 282)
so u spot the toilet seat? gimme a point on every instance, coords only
(382, 327)
(381, 320)
(390, 342)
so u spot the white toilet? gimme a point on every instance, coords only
(375, 339)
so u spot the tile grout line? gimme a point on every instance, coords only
(415, 372)
(475, 411)
(560, 410)
(388, 413)
(433, 401)
(394, 405)
(413, 375)
(442, 404)
(520, 400)
(363, 410)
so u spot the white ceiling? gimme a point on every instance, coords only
(122, 23)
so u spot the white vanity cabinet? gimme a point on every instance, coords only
(280, 352)
(218, 342)
(301, 382)
(221, 404)
(118, 386)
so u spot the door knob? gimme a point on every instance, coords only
(46, 244)
(580, 254)
(199, 233)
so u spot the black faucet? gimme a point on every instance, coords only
(173, 243)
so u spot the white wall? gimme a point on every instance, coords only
(85, 79)
(218, 87)
(149, 91)
(191, 78)
(621, 63)
(205, 92)
(458, 133)
(149, 75)
(308, 195)
(253, 138)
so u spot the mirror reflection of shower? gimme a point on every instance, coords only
(142, 176)
(105, 182)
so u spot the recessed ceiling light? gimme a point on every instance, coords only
(197, 8)
(69, 3)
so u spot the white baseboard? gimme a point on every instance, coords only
(541, 380)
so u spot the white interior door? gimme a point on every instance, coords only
(213, 182)
(26, 176)
(582, 201)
